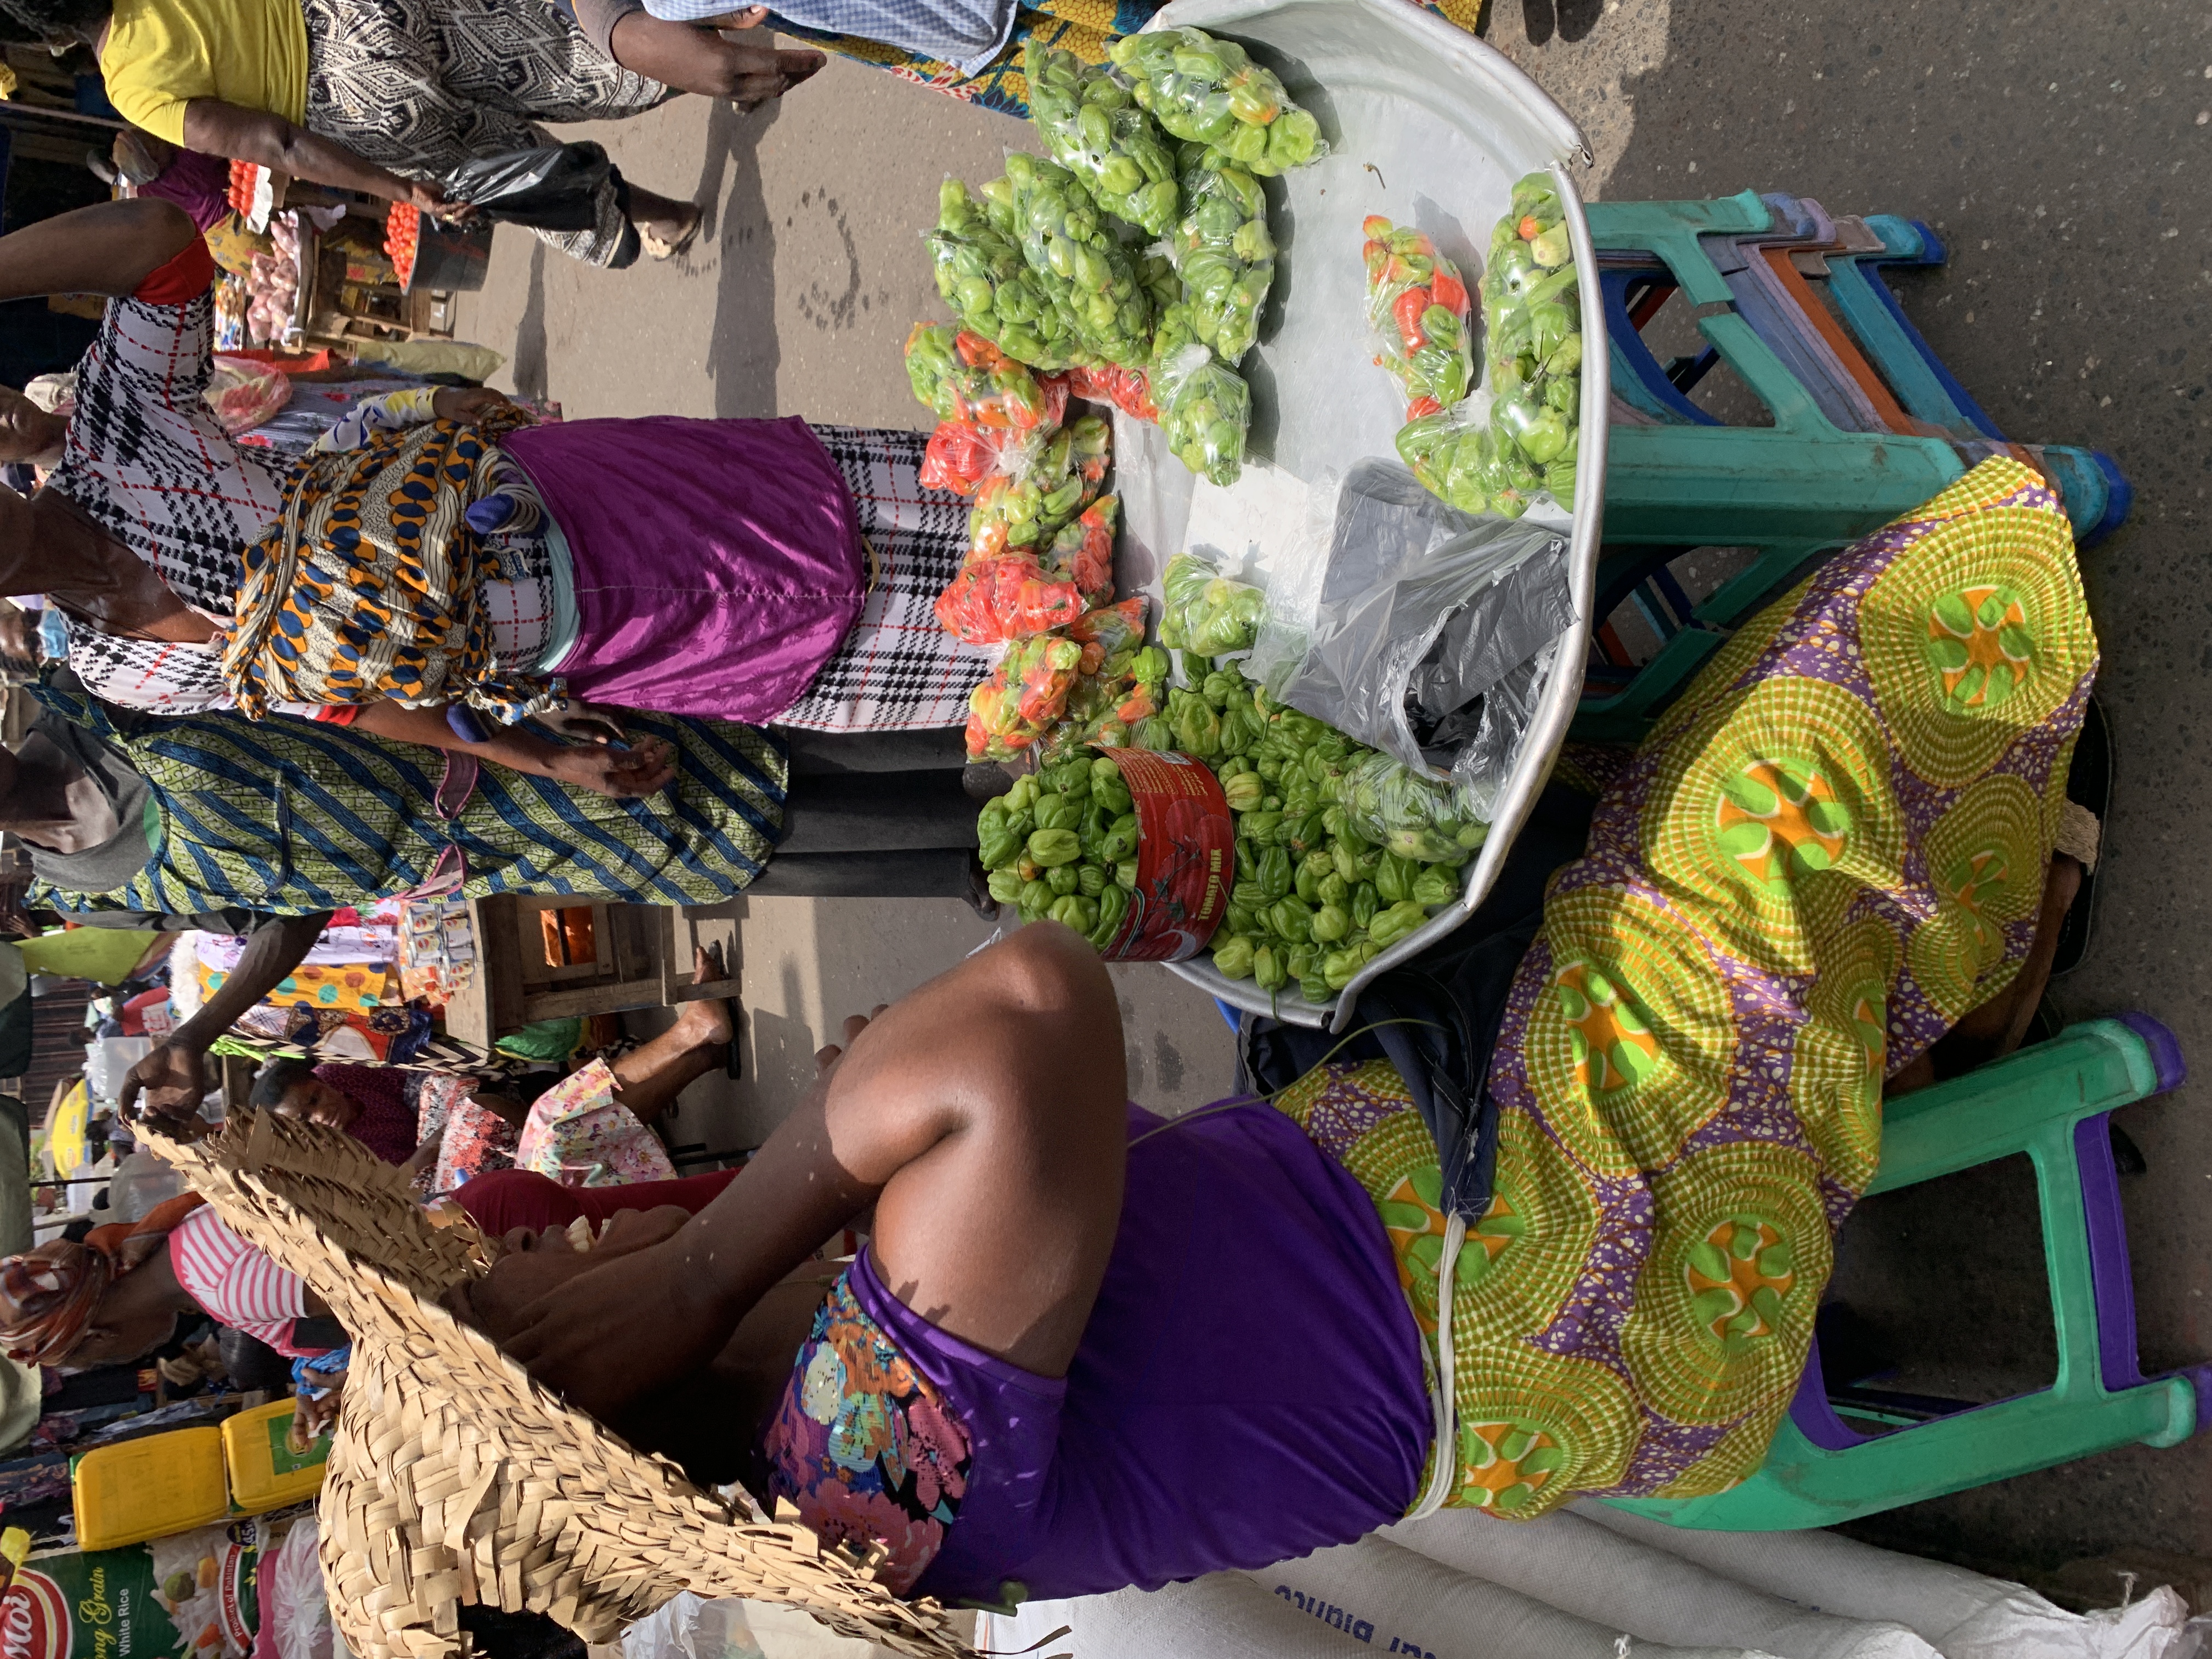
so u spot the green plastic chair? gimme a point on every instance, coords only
(2050, 1101)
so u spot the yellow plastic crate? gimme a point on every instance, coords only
(264, 1472)
(148, 1488)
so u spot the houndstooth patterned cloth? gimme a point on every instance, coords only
(898, 669)
(146, 458)
(421, 86)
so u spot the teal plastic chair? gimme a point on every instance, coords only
(2050, 1101)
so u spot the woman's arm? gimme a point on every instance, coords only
(983, 1117)
(214, 128)
(110, 248)
(619, 772)
(173, 1077)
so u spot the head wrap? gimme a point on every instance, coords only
(49, 1295)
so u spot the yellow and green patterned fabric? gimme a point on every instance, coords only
(1832, 848)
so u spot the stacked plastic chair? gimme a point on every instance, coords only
(1868, 423)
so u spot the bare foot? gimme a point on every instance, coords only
(751, 17)
(707, 1024)
(666, 228)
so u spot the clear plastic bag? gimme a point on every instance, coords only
(1092, 127)
(1082, 551)
(1422, 607)
(244, 394)
(1211, 91)
(963, 376)
(1419, 309)
(1007, 598)
(1224, 253)
(1204, 410)
(1077, 261)
(1023, 507)
(1025, 694)
(1204, 612)
(1532, 345)
(1129, 390)
(981, 273)
(1406, 811)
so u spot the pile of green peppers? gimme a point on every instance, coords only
(1203, 612)
(1062, 843)
(1204, 408)
(1533, 349)
(1064, 238)
(1093, 127)
(1209, 91)
(1224, 251)
(981, 275)
(1316, 898)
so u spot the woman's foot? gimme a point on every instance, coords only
(707, 1023)
(666, 228)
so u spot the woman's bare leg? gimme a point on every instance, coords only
(653, 1073)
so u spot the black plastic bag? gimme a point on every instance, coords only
(555, 187)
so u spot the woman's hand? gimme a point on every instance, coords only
(621, 773)
(585, 722)
(465, 404)
(172, 1078)
(431, 199)
(602, 1327)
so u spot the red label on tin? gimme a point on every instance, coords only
(1186, 857)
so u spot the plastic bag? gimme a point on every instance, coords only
(553, 187)
(1006, 598)
(244, 394)
(958, 457)
(1204, 612)
(296, 1608)
(1064, 239)
(963, 376)
(1224, 253)
(1421, 605)
(1024, 507)
(1408, 812)
(980, 272)
(1457, 457)
(1082, 551)
(1025, 694)
(1210, 90)
(1532, 339)
(1121, 683)
(1129, 390)
(1419, 309)
(1092, 127)
(1204, 410)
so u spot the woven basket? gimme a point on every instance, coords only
(453, 1476)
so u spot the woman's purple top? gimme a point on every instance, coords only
(717, 564)
(1249, 1389)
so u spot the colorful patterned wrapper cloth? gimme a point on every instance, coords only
(580, 1135)
(1832, 848)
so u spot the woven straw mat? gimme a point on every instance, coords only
(453, 1476)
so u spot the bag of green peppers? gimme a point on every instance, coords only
(1533, 341)
(1204, 612)
(981, 274)
(1064, 239)
(1092, 127)
(1225, 254)
(1458, 458)
(1204, 410)
(1210, 90)
(1408, 814)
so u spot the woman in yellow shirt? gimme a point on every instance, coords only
(389, 96)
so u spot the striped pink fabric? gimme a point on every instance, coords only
(234, 1284)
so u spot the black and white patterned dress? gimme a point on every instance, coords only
(898, 669)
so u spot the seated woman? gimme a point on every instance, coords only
(408, 1116)
(798, 569)
(1086, 1349)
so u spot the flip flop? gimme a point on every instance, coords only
(2089, 784)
